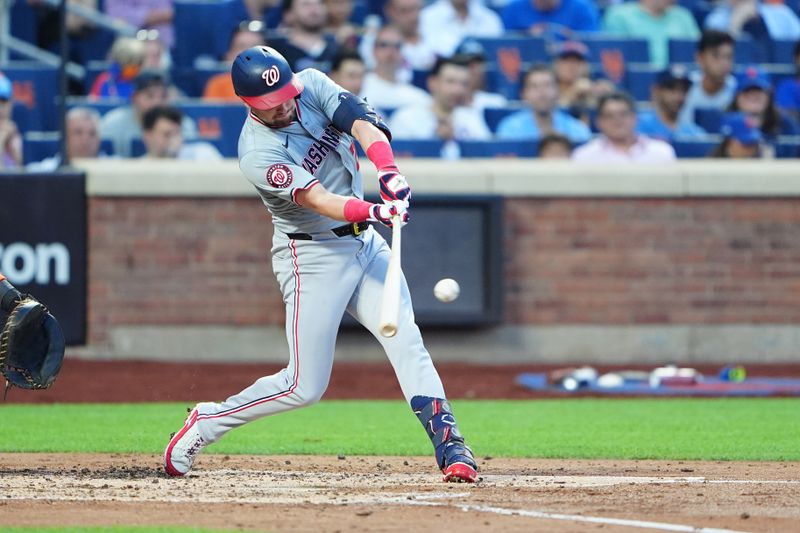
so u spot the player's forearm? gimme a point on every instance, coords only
(324, 202)
(375, 144)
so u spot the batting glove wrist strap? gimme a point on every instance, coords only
(385, 213)
(437, 418)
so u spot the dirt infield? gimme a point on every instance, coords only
(146, 381)
(301, 493)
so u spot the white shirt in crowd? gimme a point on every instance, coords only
(645, 150)
(384, 94)
(419, 122)
(199, 151)
(417, 56)
(482, 99)
(443, 30)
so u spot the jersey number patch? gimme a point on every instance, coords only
(279, 176)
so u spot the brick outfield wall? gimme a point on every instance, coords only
(567, 261)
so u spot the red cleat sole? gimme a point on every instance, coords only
(460, 473)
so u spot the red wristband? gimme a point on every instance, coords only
(381, 155)
(356, 210)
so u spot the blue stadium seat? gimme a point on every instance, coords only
(783, 52)
(498, 148)
(682, 50)
(709, 119)
(93, 47)
(638, 83)
(23, 21)
(219, 124)
(202, 28)
(788, 147)
(531, 49)
(38, 145)
(137, 148)
(102, 106)
(694, 148)
(192, 81)
(749, 51)
(414, 148)
(632, 50)
(35, 90)
(493, 115)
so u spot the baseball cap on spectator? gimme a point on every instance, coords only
(6, 90)
(470, 50)
(753, 78)
(742, 128)
(148, 78)
(673, 77)
(571, 49)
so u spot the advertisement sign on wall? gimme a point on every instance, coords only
(43, 243)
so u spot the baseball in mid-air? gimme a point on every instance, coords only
(446, 290)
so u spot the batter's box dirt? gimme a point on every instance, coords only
(313, 493)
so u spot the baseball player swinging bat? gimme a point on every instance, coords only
(390, 304)
(297, 148)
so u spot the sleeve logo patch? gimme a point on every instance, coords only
(279, 176)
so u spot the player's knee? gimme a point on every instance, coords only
(308, 395)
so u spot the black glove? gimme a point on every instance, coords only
(31, 346)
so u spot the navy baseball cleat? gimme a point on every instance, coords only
(452, 455)
(183, 447)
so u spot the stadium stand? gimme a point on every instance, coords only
(203, 28)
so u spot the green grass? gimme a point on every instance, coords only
(728, 429)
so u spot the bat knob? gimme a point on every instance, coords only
(388, 330)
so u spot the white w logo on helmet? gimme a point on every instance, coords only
(271, 76)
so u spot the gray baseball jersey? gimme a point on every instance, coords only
(322, 278)
(279, 162)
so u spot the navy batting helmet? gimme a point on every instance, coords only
(263, 79)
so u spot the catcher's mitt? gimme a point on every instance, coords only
(31, 346)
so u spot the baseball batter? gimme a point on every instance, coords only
(297, 149)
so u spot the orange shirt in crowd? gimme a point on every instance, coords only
(220, 87)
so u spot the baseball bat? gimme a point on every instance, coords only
(390, 304)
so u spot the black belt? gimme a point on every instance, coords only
(342, 231)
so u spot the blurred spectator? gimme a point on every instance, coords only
(443, 117)
(220, 86)
(306, 44)
(10, 138)
(741, 139)
(714, 86)
(667, 95)
(759, 20)
(339, 25)
(417, 53)
(83, 139)
(381, 87)
(257, 9)
(124, 124)
(445, 23)
(554, 146)
(47, 31)
(754, 98)
(472, 53)
(156, 55)
(161, 133)
(540, 93)
(577, 92)
(127, 55)
(657, 21)
(348, 71)
(145, 14)
(618, 141)
(561, 16)
(787, 95)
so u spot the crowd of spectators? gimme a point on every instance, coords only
(425, 68)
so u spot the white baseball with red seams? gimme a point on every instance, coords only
(320, 279)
